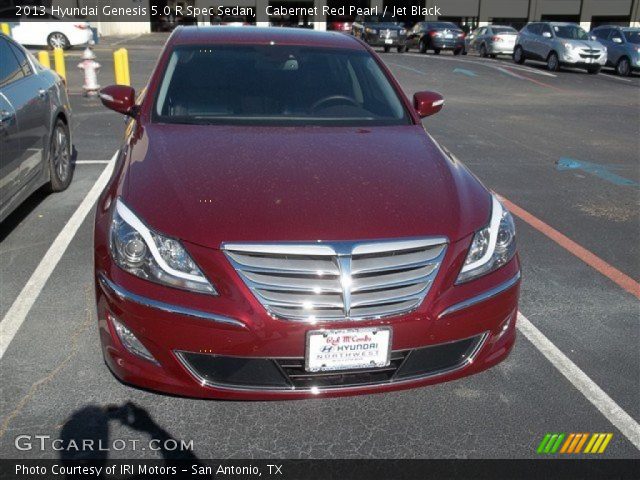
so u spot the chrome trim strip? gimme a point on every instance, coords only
(482, 297)
(123, 294)
(482, 339)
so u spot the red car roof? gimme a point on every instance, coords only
(263, 35)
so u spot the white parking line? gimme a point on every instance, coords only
(20, 308)
(598, 397)
(489, 63)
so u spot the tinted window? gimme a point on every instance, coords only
(570, 32)
(22, 59)
(276, 85)
(602, 33)
(10, 69)
(534, 28)
(632, 36)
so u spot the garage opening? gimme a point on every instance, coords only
(606, 20)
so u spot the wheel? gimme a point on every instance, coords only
(457, 51)
(483, 51)
(518, 55)
(594, 70)
(422, 47)
(58, 40)
(464, 51)
(386, 49)
(553, 64)
(436, 51)
(623, 67)
(402, 49)
(493, 55)
(60, 168)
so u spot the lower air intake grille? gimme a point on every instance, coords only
(336, 281)
(289, 373)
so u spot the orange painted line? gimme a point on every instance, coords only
(567, 442)
(584, 439)
(575, 442)
(622, 280)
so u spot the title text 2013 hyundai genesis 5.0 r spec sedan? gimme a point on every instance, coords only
(280, 225)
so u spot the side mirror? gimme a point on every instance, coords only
(616, 40)
(592, 38)
(427, 103)
(120, 98)
(546, 34)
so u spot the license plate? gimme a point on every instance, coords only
(330, 350)
(448, 35)
(388, 41)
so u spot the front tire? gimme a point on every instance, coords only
(423, 46)
(483, 51)
(436, 51)
(594, 70)
(60, 168)
(386, 49)
(58, 40)
(623, 67)
(553, 63)
(402, 49)
(457, 51)
(518, 55)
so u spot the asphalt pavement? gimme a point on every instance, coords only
(562, 147)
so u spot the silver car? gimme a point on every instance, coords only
(559, 44)
(35, 140)
(623, 47)
(492, 40)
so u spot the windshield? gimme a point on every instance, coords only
(276, 84)
(571, 32)
(632, 36)
(497, 30)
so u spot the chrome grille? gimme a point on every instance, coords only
(339, 280)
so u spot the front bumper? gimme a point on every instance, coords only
(582, 60)
(447, 44)
(228, 347)
(379, 41)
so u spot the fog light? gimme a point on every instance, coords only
(131, 342)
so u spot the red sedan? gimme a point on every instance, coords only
(279, 225)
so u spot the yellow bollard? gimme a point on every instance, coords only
(58, 58)
(117, 66)
(43, 58)
(125, 66)
(6, 29)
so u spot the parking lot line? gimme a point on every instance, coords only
(598, 397)
(591, 259)
(20, 308)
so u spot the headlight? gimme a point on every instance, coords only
(149, 255)
(403, 31)
(371, 30)
(492, 247)
(568, 46)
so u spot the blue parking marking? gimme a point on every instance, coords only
(601, 171)
(464, 71)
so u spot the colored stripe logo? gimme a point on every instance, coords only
(573, 443)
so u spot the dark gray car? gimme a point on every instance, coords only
(380, 31)
(35, 140)
(623, 47)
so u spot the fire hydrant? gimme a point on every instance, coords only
(90, 67)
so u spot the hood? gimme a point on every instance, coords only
(213, 184)
(584, 44)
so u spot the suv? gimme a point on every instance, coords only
(380, 31)
(623, 47)
(559, 44)
(436, 36)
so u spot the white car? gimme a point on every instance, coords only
(47, 30)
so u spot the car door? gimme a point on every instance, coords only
(527, 38)
(615, 46)
(544, 43)
(28, 97)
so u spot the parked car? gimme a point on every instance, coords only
(623, 47)
(559, 44)
(492, 40)
(237, 256)
(436, 36)
(340, 24)
(35, 140)
(47, 30)
(380, 31)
